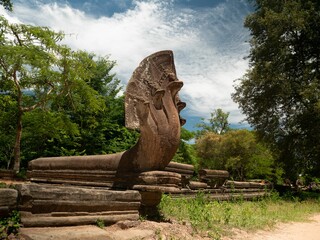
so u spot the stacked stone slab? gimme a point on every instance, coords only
(247, 185)
(214, 178)
(79, 201)
(215, 184)
(58, 205)
(8, 201)
(185, 170)
(7, 174)
(108, 179)
(76, 177)
(149, 185)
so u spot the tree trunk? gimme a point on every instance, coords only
(17, 150)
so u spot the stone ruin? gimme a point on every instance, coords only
(79, 190)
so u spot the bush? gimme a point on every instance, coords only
(10, 226)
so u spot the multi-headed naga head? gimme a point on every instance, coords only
(155, 75)
(152, 105)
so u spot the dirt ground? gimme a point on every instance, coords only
(147, 230)
(309, 230)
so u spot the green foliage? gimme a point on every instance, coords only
(67, 100)
(50, 130)
(186, 152)
(218, 123)
(237, 151)
(217, 218)
(7, 128)
(9, 226)
(36, 70)
(280, 92)
(100, 223)
(186, 135)
(7, 4)
(208, 148)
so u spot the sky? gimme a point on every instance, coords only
(207, 37)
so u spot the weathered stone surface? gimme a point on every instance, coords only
(156, 188)
(181, 166)
(197, 185)
(48, 221)
(150, 198)
(111, 180)
(214, 178)
(180, 171)
(7, 174)
(88, 232)
(243, 190)
(8, 197)
(8, 201)
(148, 84)
(237, 184)
(209, 173)
(221, 195)
(58, 205)
(185, 170)
(85, 233)
(34, 191)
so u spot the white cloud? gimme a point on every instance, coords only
(208, 43)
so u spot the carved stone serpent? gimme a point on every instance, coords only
(152, 105)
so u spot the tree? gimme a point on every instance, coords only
(52, 131)
(245, 157)
(7, 116)
(186, 152)
(6, 4)
(64, 129)
(102, 131)
(35, 70)
(218, 123)
(208, 147)
(280, 92)
(237, 151)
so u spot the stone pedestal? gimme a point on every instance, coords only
(8, 201)
(90, 196)
(57, 205)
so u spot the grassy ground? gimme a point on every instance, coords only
(216, 218)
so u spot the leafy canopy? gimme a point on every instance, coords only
(280, 92)
(6, 4)
(218, 123)
(67, 100)
(237, 151)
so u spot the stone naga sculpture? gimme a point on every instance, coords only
(152, 105)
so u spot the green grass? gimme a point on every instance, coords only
(216, 218)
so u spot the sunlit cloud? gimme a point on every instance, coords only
(209, 43)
